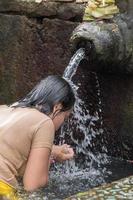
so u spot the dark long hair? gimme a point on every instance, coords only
(48, 92)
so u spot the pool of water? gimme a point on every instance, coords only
(68, 178)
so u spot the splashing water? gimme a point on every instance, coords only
(81, 115)
(84, 123)
(85, 170)
(80, 174)
(75, 175)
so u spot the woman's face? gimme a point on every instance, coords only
(59, 119)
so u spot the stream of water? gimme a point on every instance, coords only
(87, 169)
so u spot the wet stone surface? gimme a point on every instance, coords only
(122, 189)
(118, 190)
(30, 51)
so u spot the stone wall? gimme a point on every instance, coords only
(34, 41)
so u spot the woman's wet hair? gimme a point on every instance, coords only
(47, 93)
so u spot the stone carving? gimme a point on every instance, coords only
(112, 40)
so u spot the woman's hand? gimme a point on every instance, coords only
(62, 152)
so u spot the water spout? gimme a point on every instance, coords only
(112, 43)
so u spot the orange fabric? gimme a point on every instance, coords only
(20, 130)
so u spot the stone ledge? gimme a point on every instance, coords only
(115, 190)
(43, 9)
(62, 9)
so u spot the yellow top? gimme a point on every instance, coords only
(8, 192)
(21, 129)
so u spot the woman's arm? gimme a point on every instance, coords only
(36, 173)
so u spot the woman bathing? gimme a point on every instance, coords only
(27, 130)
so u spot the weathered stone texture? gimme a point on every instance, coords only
(112, 43)
(121, 189)
(117, 112)
(71, 11)
(123, 5)
(51, 7)
(61, 10)
(29, 51)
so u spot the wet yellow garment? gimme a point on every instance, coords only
(7, 191)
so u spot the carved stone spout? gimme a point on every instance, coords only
(112, 42)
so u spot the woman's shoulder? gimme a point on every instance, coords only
(43, 123)
(3, 106)
(44, 120)
(29, 116)
(36, 113)
(35, 116)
